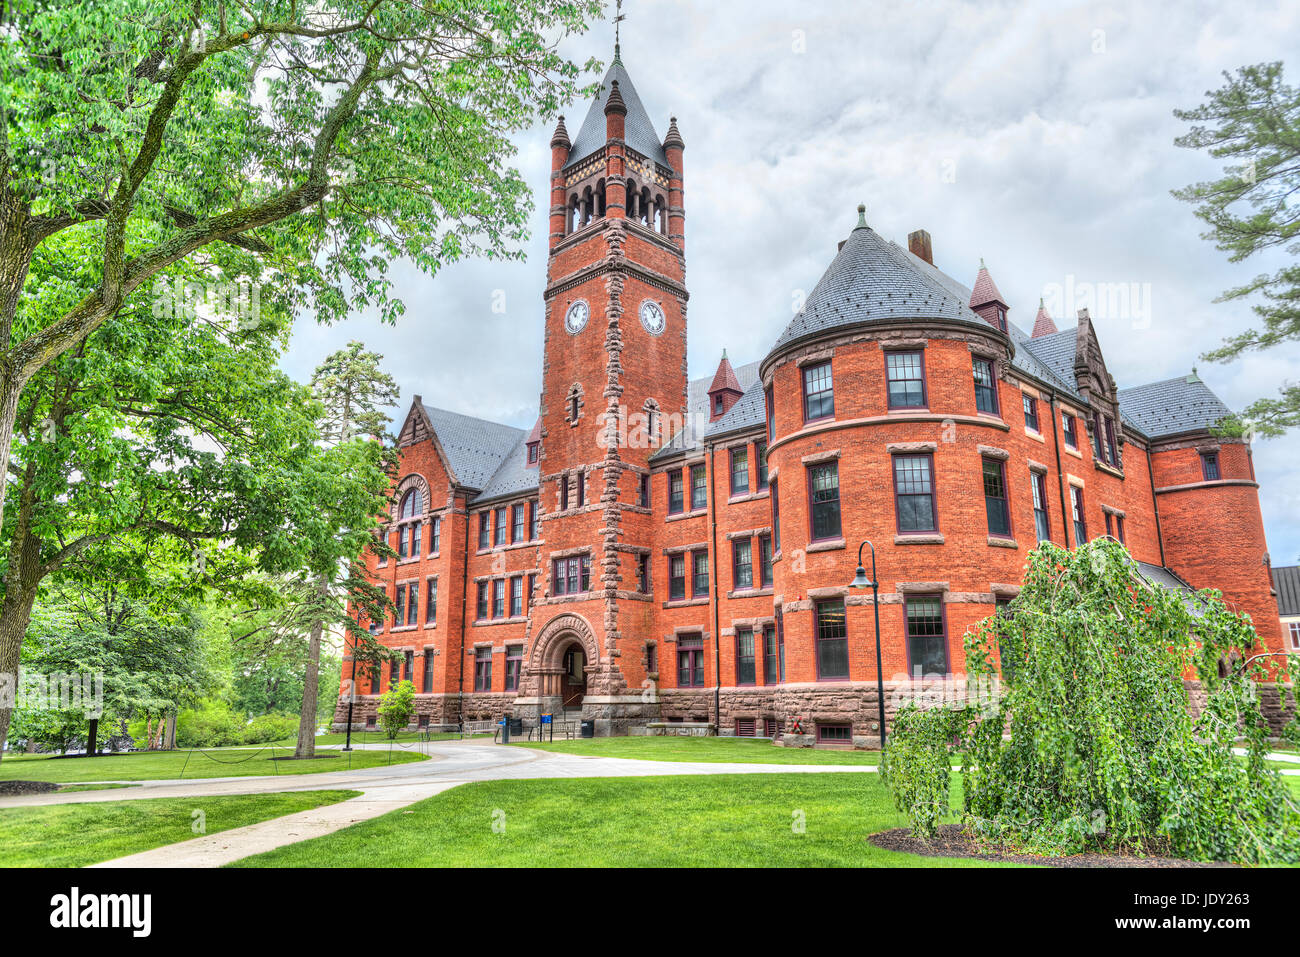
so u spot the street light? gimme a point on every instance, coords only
(860, 580)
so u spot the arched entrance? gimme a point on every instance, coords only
(573, 680)
(563, 661)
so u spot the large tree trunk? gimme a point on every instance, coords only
(92, 737)
(169, 742)
(311, 687)
(15, 614)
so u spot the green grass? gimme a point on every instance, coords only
(729, 750)
(370, 737)
(167, 765)
(65, 788)
(690, 821)
(74, 835)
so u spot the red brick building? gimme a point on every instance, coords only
(659, 548)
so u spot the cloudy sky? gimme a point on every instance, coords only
(1038, 136)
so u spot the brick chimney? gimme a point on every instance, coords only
(918, 244)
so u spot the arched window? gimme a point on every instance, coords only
(408, 528)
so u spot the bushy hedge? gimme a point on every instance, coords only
(216, 726)
(1092, 745)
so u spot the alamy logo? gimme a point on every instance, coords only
(72, 910)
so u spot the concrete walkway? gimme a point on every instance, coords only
(383, 789)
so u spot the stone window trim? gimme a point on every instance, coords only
(1109, 469)
(996, 541)
(1072, 479)
(919, 538)
(989, 452)
(921, 588)
(1007, 590)
(697, 513)
(815, 358)
(816, 458)
(752, 533)
(570, 553)
(754, 623)
(747, 497)
(686, 603)
(829, 545)
(683, 549)
(489, 622)
(829, 591)
(751, 592)
(575, 393)
(1038, 467)
(895, 448)
(1116, 512)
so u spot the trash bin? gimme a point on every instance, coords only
(505, 730)
(516, 725)
(589, 729)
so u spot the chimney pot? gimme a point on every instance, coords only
(918, 243)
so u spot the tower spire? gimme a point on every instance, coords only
(618, 19)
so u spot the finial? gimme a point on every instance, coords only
(862, 215)
(724, 358)
(615, 102)
(982, 266)
(674, 137)
(618, 18)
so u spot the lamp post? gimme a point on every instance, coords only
(860, 580)
(352, 695)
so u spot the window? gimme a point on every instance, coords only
(644, 500)
(765, 560)
(1031, 411)
(773, 728)
(824, 495)
(514, 665)
(574, 401)
(675, 494)
(1070, 429)
(431, 601)
(408, 673)
(770, 408)
(1109, 530)
(484, 530)
(564, 491)
(483, 669)
(500, 526)
(516, 523)
(995, 499)
(927, 645)
(375, 679)
(780, 641)
(1210, 466)
(914, 494)
(582, 488)
(744, 727)
(1119, 529)
(699, 574)
(532, 453)
(435, 535)
(744, 656)
(676, 577)
(905, 378)
(399, 615)
(776, 517)
(690, 662)
(769, 655)
(717, 404)
(1294, 630)
(1112, 447)
(408, 526)
(383, 559)
(986, 392)
(572, 575)
(643, 574)
(428, 671)
(1076, 510)
(832, 640)
(516, 596)
(818, 392)
(760, 457)
(699, 487)
(652, 659)
(532, 521)
(742, 564)
(499, 598)
(1038, 482)
(394, 671)
(739, 471)
(834, 734)
(481, 609)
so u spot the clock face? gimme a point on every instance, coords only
(576, 318)
(652, 317)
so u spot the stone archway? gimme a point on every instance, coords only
(564, 664)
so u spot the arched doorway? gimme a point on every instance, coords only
(573, 678)
(563, 664)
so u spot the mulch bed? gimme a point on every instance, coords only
(951, 840)
(8, 788)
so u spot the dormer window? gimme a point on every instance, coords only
(717, 404)
(532, 452)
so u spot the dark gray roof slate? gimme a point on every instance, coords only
(871, 278)
(749, 411)
(638, 131)
(1163, 577)
(474, 447)
(1173, 406)
(697, 405)
(513, 477)
(1287, 582)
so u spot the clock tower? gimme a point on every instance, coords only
(614, 388)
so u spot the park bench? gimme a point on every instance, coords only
(470, 728)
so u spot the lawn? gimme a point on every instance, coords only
(168, 765)
(74, 835)
(752, 820)
(728, 750)
(370, 737)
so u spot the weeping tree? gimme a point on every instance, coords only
(1093, 743)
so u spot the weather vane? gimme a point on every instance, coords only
(619, 17)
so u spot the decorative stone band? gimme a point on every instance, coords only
(1165, 489)
(913, 447)
(986, 421)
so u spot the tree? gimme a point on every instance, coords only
(396, 708)
(301, 145)
(353, 391)
(1253, 121)
(1102, 750)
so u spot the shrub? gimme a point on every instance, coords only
(1101, 749)
(396, 708)
(270, 727)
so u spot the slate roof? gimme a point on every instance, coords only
(638, 132)
(871, 278)
(1172, 406)
(1044, 324)
(1166, 578)
(697, 405)
(986, 290)
(1287, 582)
(749, 411)
(725, 377)
(475, 448)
